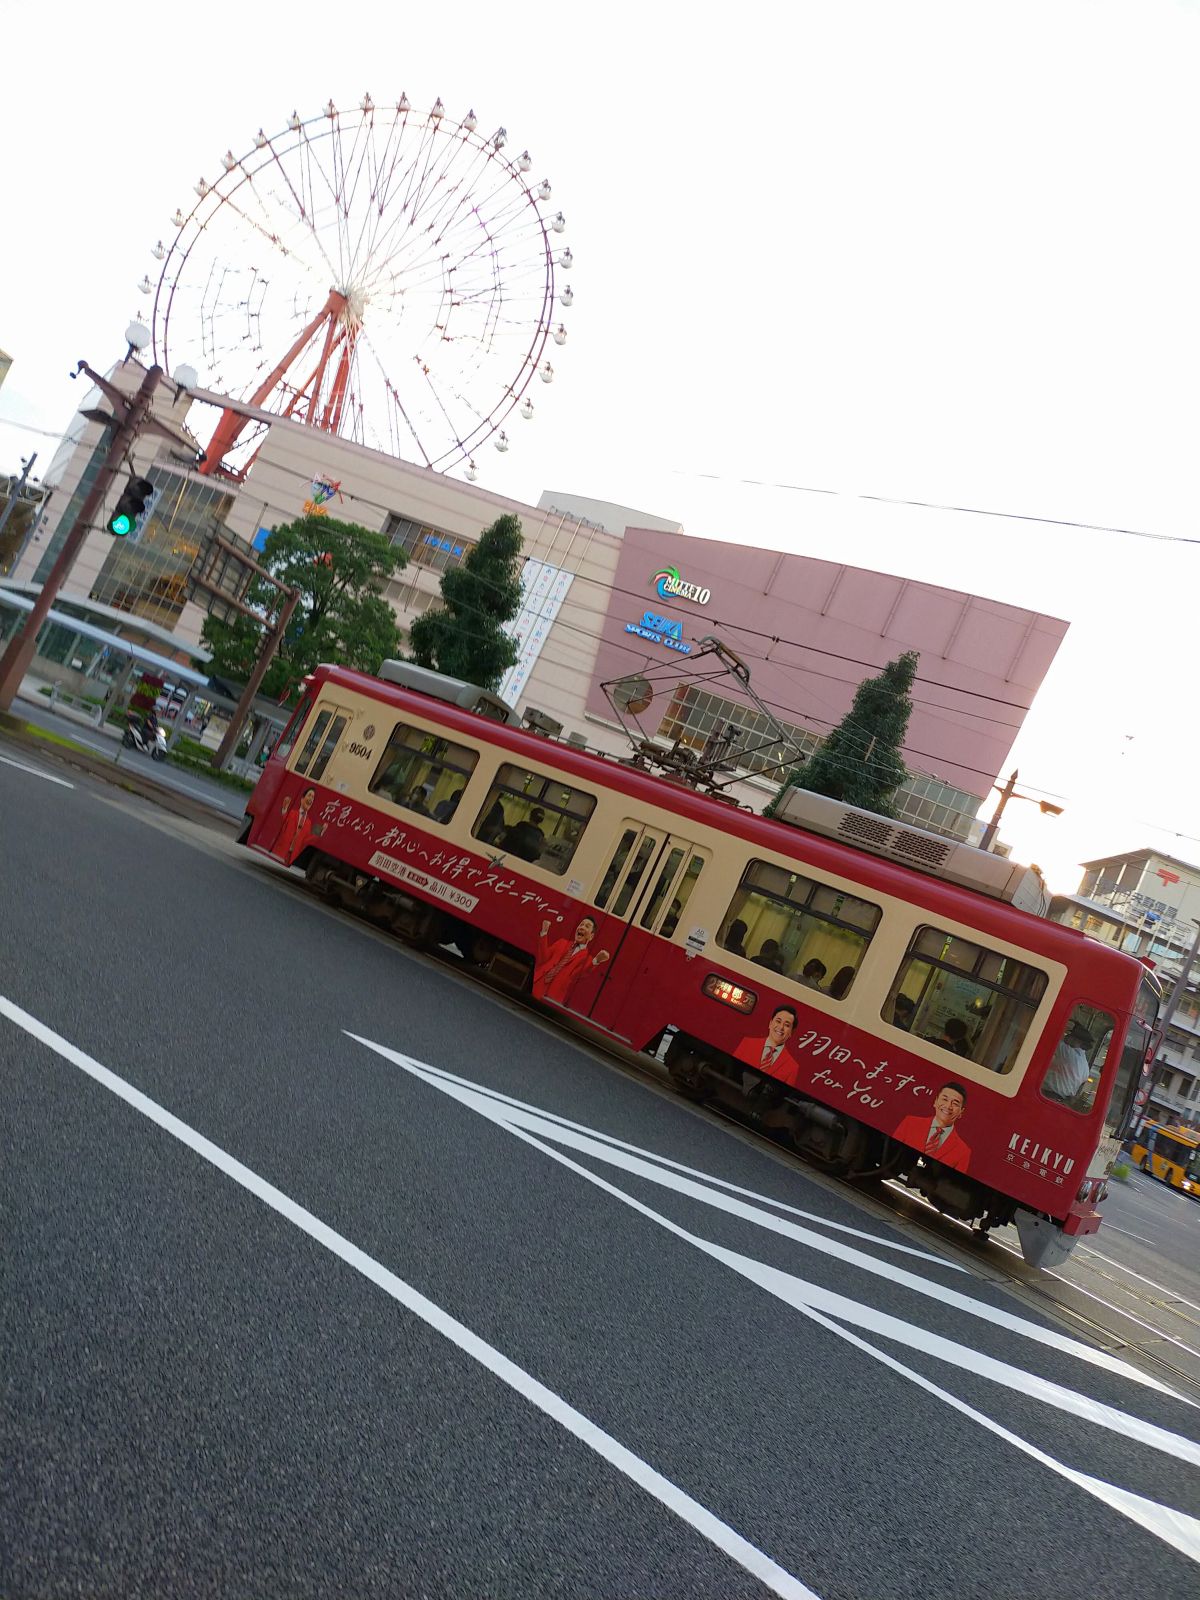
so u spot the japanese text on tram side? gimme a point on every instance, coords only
(429, 869)
(867, 1082)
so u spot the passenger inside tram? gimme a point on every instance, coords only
(769, 956)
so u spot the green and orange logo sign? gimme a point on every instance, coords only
(668, 585)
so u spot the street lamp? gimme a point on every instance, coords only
(1046, 807)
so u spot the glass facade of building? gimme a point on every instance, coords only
(426, 547)
(146, 573)
(71, 510)
(694, 714)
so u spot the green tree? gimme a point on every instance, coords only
(859, 763)
(340, 570)
(464, 637)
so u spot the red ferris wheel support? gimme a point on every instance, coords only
(338, 341)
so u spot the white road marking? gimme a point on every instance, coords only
(1111, 1227)
(675, 1166)
(521, 1120)
(1173, 1295)
(36, 772)
(1123, 1311)
(1174, 1527)
(746, 1555)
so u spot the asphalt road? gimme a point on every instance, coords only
(228, 801)
(328, 1273)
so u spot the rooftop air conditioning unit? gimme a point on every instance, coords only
(931, 853)
(454, 691)
(539, 722)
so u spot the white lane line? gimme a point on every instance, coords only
(521, 1123)
(36, 772)
(676, 1166)
(747, 1556)
(1175, 1528)
(1123, 1311)
(1111, 1227)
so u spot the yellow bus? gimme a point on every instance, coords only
(1171, 1154)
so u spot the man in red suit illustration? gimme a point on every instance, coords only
(767, 1054)
(935, 1136)
(296, 828)
(560, 965)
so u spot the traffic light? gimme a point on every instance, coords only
(130, 506)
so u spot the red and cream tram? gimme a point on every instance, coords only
(824, 975)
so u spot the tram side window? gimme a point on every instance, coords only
(423, 773)
(972, 1001)
(1073, 1075)
(680, 892)
(292, 732)
(533, 817)
(813, 932)
(326, 734)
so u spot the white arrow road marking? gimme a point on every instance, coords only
(662, 1161)
(1175, 1527)
(36, 772)
(747, 1556)
(516, 1117)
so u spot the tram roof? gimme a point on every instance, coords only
(902, 881)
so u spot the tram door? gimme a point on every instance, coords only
(648, 884)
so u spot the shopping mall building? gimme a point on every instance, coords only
(609, 594)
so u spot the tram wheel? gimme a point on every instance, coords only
(687, 1076)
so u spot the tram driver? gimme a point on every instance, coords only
(1069, 1068)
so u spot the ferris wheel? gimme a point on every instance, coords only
(385, 274)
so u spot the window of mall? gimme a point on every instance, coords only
(146, 573)
(694, 714)
(424, 546)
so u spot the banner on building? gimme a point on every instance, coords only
(543, 590)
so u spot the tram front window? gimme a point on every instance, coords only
(1073, 1075)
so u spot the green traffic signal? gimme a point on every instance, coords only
(130, 507)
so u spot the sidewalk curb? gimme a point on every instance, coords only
(16, 731)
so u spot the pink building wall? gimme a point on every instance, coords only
(822, 628)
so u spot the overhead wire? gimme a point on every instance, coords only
(937, 505)
(717, 621)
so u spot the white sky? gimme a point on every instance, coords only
(945, 251)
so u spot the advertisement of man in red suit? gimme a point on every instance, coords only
(767, 1053)
(935, 1136)
(559, 966)
(296, 828)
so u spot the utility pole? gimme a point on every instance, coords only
(276, 637)
(1046, 807)
(1006, 794)
(14, 494)
(1137, 1117)
(129, 415)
